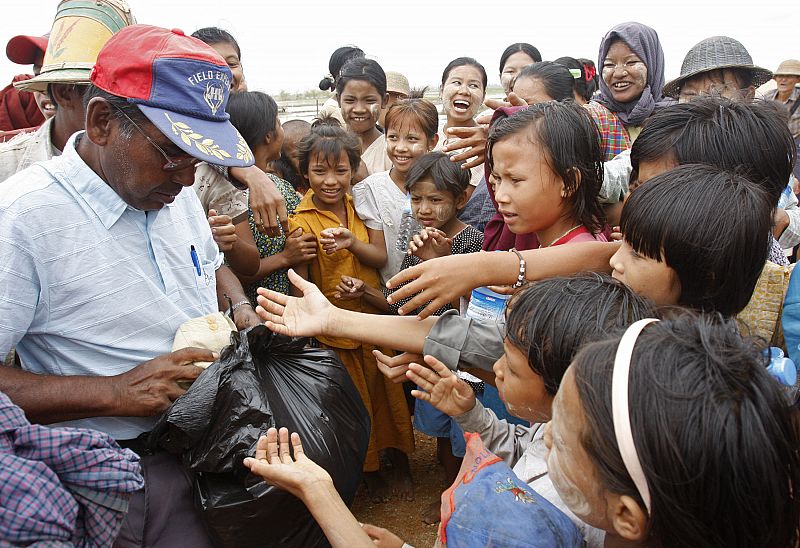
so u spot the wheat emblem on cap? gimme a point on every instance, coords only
(214, 96)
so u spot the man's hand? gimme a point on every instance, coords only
(266, 201)
(441, 387)
(150, 387)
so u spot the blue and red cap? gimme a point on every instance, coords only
(180, 84)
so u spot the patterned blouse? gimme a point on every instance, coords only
(268, 245)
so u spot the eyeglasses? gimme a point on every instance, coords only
(626, 66)
(171, 165)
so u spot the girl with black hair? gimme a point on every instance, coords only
(361, 93)
(675, 435)
(514, 58)
(227, 46)
(328, 83)
(543, 81)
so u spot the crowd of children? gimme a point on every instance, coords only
(636, 237)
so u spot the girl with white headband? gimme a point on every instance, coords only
(676, 435)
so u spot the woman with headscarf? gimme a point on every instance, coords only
(632, 77)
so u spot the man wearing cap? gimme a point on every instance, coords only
(788, 94)
(105, 254)
(78, 32)
(20, 110)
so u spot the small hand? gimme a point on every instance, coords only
(307, 316)
(430, 243)
(273, 462)
(349, 288)
(616, 234)
(335, 239)
(441, 387)
(299, 248)
(223, 230)
(150, 387)
(394, 368)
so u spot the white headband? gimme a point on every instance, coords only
(620, 410)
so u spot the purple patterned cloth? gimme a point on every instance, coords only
(62, 486)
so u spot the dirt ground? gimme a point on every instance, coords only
(403, 517)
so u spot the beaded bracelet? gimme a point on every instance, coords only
(521, 276)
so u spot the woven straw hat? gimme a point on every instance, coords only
(713, 53)
(81, 28)
(790, 67)
(397, 83)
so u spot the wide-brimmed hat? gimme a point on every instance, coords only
(397, 83)
(790, 67)
(180, 84)
(717, 52)
(26, 50)
(80, 30)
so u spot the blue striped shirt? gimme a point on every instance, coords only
(92, 286)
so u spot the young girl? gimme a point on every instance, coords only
(361, 93)
(379, 199)
(547, 171)
(514, 58)
(676, 435)
(255, 116)
(328, 158)
(543, 81)
(582, 78)
(547, 323)
(462, 92)
(227, 46)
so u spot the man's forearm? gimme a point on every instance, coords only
(52, 398)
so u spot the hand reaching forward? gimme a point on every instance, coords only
(394, 367)
(273, 462)
(441, 387)
(223, 230)
(430, 243)
(306, 316)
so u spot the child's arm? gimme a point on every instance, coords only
(452, 396)
(300, 248)
(371, 254)
(236, 241)
(354, 288)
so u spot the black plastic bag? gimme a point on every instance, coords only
(265, 380)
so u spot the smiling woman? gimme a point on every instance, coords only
(632, 80)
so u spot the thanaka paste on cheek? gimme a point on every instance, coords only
(375, 111)
(567, 490)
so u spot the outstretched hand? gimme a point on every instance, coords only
(394, 367)
(273, 462)
(441, 387)
(306, 316)
(430, 243)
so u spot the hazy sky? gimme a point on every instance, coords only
(286, 45)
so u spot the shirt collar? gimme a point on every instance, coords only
(104, 201)
(307, 204)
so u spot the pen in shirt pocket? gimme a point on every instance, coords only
(195, 260)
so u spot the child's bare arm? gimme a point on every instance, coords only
(302, 271)
(354, 288)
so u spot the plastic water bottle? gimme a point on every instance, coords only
(487, 305)
(408, 227)
(783, 370)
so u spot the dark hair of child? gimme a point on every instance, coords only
(414, 111)
(338, 58)
(445, 174)
(253, 114)
(555, 78)
(712, 430)
(328, 140)
(552, 319)
(216, 35)
(360, 68)
(464, 62)
(710, 226)
(580, 84)
(722, 133)
(523, 47)
(572, 147)
(285, 170)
